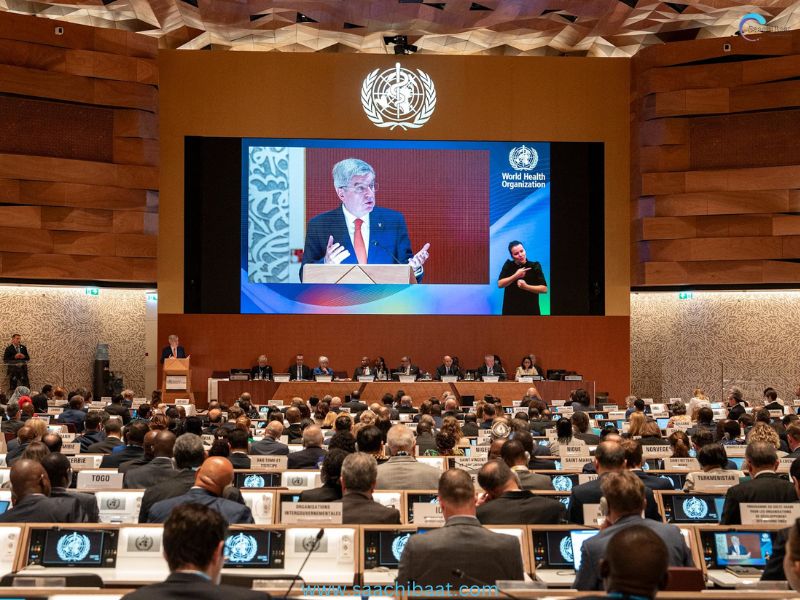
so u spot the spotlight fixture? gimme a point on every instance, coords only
(400, 43)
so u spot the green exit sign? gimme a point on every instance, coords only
(92, 291)
(685, 295)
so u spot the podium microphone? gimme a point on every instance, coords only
(314, 546)
(377, 244)
(461, 575)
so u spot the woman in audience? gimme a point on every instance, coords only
(445, 445)
(19, 392)
(59, 396)
(761, 432)
(580, 422)
(329, 420)
(698, 401)
(651, 434)
(679, 415)
(159, 422)
(637, 421)
(366, 419)
(426, 439)
(563, 436)
(680, 444)
(451, 425)
(729, 433)
(526, 369)
(425, 409)
(629, 407)
(320, 412)
(712, 457)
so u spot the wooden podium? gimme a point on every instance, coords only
(359, 274)
(176, 380)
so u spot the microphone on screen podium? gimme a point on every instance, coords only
(463, 576)
(313, 547)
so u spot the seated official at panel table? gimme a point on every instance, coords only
(173, 349)
(447, 368)
(406, 368)
(262, 370)
(358, 231)
(299, 371)
(491, 367)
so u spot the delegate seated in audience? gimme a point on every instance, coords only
(635, 405)
(370, 440)
(705, 422)
(699, 400)
(470, 426)
(25, 436)
(580, 424)
(294, 431)
(625, 498)
(504, 503)
(59, 472)
(159, 468)
(312, 453)
(680, 444)
(703, 438)
(765, 485)
(402, 471)
(516, 455)
(354, 403)
(564, 436)
(729, 433)
(331, 471)
(134, 439)
(634, 457)
(113, 438)
(75, 415)
(712, 458)
(270, 444)
(651, 434)
(774, 571)
(678, 411)
(147, 456)
(608, 458)
(426, 435)
(30, 497)
(637, 574)
(212, 478)
(462, 544)
(793, 440)
(214, 421)
(53, 441)
(194, 547)
(736, 403)
(117, 408)
(13, 423)
(537, 422)
(238, 440)
(358, 478)
(92, 431)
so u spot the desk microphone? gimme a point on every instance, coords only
(461, 575)
(314, 546)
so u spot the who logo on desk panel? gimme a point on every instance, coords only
(73, 547)
(398, 97)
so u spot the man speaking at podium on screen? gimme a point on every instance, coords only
(358, 232)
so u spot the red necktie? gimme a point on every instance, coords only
(358, 243)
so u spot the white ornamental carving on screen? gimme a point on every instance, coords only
(268, 215)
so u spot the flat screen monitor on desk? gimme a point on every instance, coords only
(253, 480)
(722, 549)
(693, 508)
(254, 549)
(59, 547)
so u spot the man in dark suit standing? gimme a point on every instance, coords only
(194, 546)
(158, 469)
(491, 369)
(447, 368)
(173, 349)
(506, 504)
(359, 475)
(765, 485)
(300, 371)
(357, 231)
(16, 358)
(462, 544)
(134, 438)
(30, 491)
(312, 453)
(262, 370)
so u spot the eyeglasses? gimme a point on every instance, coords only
(362, 189)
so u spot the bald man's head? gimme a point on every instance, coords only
(163, 443)
(147, 444)
(214, 415)
(293, 414)
(26, 434)
(312, 437)
(28, 477)
(215, 475)
(274, 429)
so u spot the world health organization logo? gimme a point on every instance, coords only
(73, 547)
(399, 544)
(398, 97)
(694, 508)
(561, 483)
(565, 547)
(254, 481)
(241, 548)
(523, 158)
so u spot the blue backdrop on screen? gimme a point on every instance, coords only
(467, 199)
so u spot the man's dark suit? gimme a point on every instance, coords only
(652, 481)
(308, 458)
(736, 411)
(105, 446)
(88, 438)
(469, 429)
(146, 476)
(269, 446)
(167, 352)
(442, 370)
(430, 558)
(117, 409)
(358, 507)
(115, 459)
(233, 512)
(189, 586)
(134, 464)
(38, 508)
(355, 406)
(17, 374)
(496, 370)
(359, 371)
(412, 370)
(307, 373)
(169, 488)
(765, 487)
(520, 507)
(239, 460)
(88, 502)
(325, 493)
(14, 453)
(388, 238)
(264, 372)
(74, 416)
(294, 433)
(11, 426)
(594, 549)
(589, 493)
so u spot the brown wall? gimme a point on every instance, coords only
(596, 347)
(715, 162)
(78, 152)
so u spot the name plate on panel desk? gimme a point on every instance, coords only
(311, 512)
(573, 377)
(54, 410)
(407, 378)
(613, 415)
(65, 436)
(268, 462)
(681, 464)
(469, 463)
(323, 378)
(427, 514)
(609, 407)
(182, 401)
(656, 450)
(366, 378)
(281, 378)
(490, 378)
(574, 450)
(574, 463)
(71, 448)
(785, 464)
(714, 481)
(558, 402)
(587, 477)
(769, 513)
(449, 378)
(99, 480)
(86, 461)
(525, 379)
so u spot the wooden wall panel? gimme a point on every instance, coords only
(715, 165)
(598, 348)
(79, 161)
